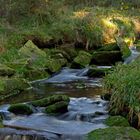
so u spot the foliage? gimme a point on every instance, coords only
(123, 83)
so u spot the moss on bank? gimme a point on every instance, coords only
(114, 133)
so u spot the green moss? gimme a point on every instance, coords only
(110, 47)
(114, 133)
(6, 71)
(10, 86)
(31, 50)
(50, 100)
(20, 109)
(57, 108)
(97, 72)
(117, 121)
(1, 125)
(83, 59)
(106, 57)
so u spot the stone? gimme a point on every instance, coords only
(12, 86)
(30, 50)
(106, 58)
(6, 71)
(114, 133)
(55, 65)
(97, 72)
(57, 108)
(50, 100)
(82, 60)
(20, 109)
(110, 47)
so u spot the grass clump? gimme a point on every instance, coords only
(20, 109)
(124, 85)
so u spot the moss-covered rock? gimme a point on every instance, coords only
(31, 50)
(11, 86)
(115, 133)
(20, 109)
(57, 108)
(106, 57)
(50, 100)
(35, 74)
(6, 71)
(82, 60)
(110, 47)
(70, 50)
(97, 72)
(55, 65)
(117, 121)
(123, 47)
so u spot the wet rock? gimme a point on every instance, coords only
(20, 109)
(117, 121)
(106, 96)
(82, 60)
(106, 57)
(31, 50)
(97, 72)
(50, 100)
(123, 47)
(57, 108)
(12, 86)
(6, 71)
(115, 133)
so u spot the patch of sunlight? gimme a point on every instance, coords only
(129, 41)
(107, 22)
(80, 14)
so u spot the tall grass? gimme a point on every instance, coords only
(124, 85)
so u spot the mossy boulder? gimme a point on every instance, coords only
(35, 74)
(70, 50)
(20, 109)
(97, 72)
(106, 57)
(55, 65)
(30, 50)
(50, 100)
(6, 71)
(57, 108)
(11, 86)
(117, 121)
(114, 133)
(110, 47)
(82, 60)
(123, 47)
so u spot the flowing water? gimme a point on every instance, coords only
(86, 110)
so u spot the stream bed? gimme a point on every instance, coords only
(86, 110)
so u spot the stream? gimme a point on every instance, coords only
(86, 110)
